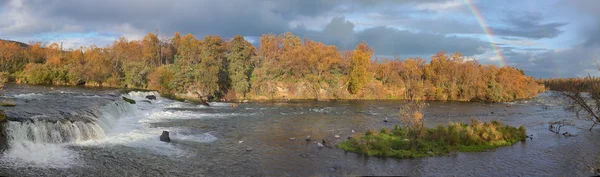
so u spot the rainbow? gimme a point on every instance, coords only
(486, 30)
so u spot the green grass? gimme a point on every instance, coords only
(400, 143)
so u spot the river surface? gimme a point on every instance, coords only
(71, 131)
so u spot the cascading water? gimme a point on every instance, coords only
(143, 94)
(42, 143)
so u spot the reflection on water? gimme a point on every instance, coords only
(268, 139)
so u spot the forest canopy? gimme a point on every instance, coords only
(281, 67)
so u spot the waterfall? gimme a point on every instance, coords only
(56, 133)
(43, 132)
(44, 140)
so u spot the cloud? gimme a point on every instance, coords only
(577, 61)
(393, 42)
(529, 25)
(402, 28)
(440, 6)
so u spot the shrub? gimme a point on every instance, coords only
(435, 141)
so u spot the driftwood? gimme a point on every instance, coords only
(555, 127)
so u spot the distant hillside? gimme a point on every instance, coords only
(17, 42)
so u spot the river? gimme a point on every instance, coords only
(74, 131)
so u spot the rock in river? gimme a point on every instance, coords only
(7, 103)
(165, 137)
(131, 101)
(151, 97)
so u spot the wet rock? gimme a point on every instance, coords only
(8, 103)
(130, 101)
(151, 97)
(2, 131)
(233, 105)
(204, 103)
(147, 101)
(165, 137)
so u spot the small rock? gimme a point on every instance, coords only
(304, 155)
(249, 149)
(331, 169)
(349, 137)
(492, 112)
(292, 139)
(233, 105)
(151, 97)
(336, 136)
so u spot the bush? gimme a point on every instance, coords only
(436, 141)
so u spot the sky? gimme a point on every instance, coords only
(545, 38)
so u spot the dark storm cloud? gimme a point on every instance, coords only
(228, 18)
(529, 25)
(578, 61)
(394, 42)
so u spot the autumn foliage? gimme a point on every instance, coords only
(280, 67)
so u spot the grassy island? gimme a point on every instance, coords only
(412, 143)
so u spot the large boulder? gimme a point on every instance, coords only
(151, 97)
(165, 137)
(8, 103)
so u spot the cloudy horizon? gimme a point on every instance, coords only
(545, 38)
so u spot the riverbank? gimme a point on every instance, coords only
(223, 141)
(405, 143)
(284, 95)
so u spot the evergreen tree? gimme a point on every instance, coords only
(239, 67)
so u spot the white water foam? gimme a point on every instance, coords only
(28, 95)
(178, 115)
(136, 131)
(46, 144)
(43, 144)
(141, 95)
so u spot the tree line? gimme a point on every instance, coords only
(281, 67)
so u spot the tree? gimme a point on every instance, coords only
(585, 106)
(321, 59)
(151, 49)
(360, 61)
(239, 67)
(211, 53)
